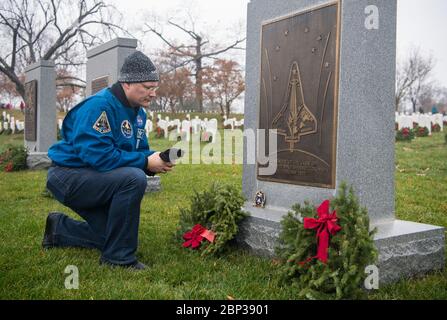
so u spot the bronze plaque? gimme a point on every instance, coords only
(100, 83)
(298, 98)
(31, 110)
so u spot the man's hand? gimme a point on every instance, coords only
(156, 165)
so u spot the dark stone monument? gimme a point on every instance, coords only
(40, 112)
(105, 61)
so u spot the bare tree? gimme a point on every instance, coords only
(175, 83)
(442, 103)
(7, 88)
(422, 69)
(67, 90)
(412, 77)
(195, 52)
(51, 29)
(225, 83)
(404, 80)
(174, 87)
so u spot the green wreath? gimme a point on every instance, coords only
(212, 221)
(350, 250)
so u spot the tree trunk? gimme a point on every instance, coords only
(198, 75)
(181, 103)
(172, 105)
(227, 108)
(199, 90)
(414, 102)
(20, 87)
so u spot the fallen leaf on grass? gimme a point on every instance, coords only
(276, 262)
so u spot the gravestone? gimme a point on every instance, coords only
(437, 119)
(322, 74)
(103, 68)
(40, 112)
(186, 130)
(13, 124)
(153, 184)
(195, 124)
(105, 61)
(209, 130)
(149, 126)
(163, 124)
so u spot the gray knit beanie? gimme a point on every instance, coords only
(138, 68)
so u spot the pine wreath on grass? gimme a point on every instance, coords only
(351, 249)
(13, 158)
(218, 210)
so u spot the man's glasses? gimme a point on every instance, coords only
(150, 89)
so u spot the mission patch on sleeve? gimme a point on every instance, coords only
(102, 124)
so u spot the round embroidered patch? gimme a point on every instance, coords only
(126, 129)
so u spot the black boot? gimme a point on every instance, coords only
(133, 266)
(50, 229)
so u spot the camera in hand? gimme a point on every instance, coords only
(168, 156)
(171, 154)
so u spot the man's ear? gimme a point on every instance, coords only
(126, 86)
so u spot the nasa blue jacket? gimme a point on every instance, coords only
(103, 132)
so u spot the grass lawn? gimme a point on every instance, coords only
(28, 272)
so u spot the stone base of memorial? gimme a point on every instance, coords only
(406, 248)
(38, 161)
(153, 184)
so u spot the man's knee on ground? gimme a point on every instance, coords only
(136, 177)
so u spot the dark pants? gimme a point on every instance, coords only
(109, 202)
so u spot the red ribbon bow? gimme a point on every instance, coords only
(196, 235)
(325, 224)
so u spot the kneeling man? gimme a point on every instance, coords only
(99, 168)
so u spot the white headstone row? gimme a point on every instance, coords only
(187, 126)
(422, 120)
(9, 122)
(233, 122)
(187, 111)
(20, 125)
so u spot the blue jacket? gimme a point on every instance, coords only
(103, 133)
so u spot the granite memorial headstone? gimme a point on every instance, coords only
(323, 76)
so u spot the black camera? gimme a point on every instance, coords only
(169, 155)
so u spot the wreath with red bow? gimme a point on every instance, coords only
(197, 234)
(212, 220)
(324, 249)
